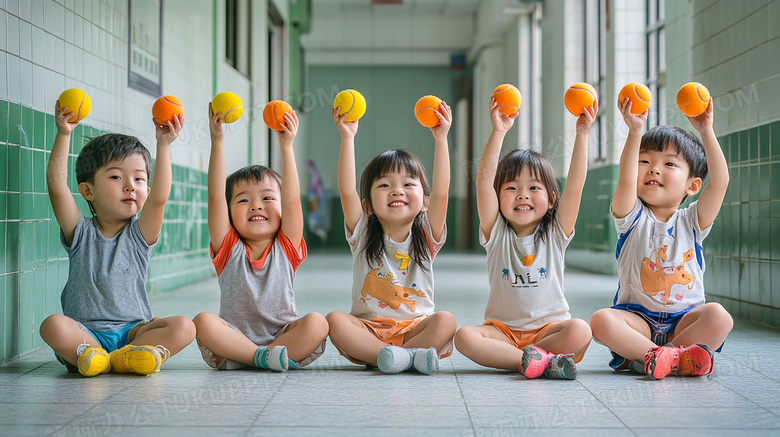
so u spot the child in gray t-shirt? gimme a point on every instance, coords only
(256, 254)
(107, 322)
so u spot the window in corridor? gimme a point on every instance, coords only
(595, 71)
(656, 61)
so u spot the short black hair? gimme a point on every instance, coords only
(683, 142)
(102, 150)
(250, 173)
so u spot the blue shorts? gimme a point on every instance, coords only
(108, 340)
(661, 325)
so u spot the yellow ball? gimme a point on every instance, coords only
(77, 102)
(578, 96)
(229, 104)
(424, 108)
(639, 96)
(352, 103)
(693, 99)
(508, 98)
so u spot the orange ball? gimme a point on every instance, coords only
(424, 108)
(273, 114)
(693, 99)
(578, 96)
(508, 98)
(165, 109)
(639, 96)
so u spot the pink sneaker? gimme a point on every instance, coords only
(694, 360)
(537, 362)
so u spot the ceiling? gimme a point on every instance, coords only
(438, 7)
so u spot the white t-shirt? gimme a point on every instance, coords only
(398, 288)
(660, 264)
(526, 277)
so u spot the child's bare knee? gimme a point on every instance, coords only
(315, 323)
(446, 322)
(180, 328)
(464, 336)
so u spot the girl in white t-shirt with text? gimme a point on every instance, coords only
(525, 226)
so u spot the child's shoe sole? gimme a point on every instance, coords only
(94, 361)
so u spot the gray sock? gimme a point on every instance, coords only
(394, 359)
(425, 360)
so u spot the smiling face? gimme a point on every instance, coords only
(663, 179)
(119, 189)
(255, 208)
(397, 197)
(524, 201)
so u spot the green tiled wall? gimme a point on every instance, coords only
(595, 229)
(593, 247)
(743, 249)
(34, 266)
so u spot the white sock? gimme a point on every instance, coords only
(394, 359)
(425, 360)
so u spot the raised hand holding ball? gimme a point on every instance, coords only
(165, 109)
(229, 104)
(77, 102)
(578, 96)
(639, 96)
(424, 111)
(693, 99)
(508, 98)
(351, 103)
(273, 114)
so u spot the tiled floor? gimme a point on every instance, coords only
(334, 397)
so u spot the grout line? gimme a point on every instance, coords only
(460, 389)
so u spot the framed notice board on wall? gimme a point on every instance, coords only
(145, 46)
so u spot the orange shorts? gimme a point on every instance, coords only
(521, 339)
(392, 332)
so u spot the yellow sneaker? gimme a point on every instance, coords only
(93, 360)
(141, 360)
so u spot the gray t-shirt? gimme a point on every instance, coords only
(257, 296)
(526, 276)
(106, 286)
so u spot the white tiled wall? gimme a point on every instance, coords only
(48, 46)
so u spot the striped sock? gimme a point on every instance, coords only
(272, 358)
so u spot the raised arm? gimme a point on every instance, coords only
(62, 202)
(569, 205)
(151, 217)
(487, 201)
(712, 194)
(437, 205)
(292, 212)
(350, 199)
(218, 214)
(625, 193)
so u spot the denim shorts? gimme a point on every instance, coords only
(661, 325)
